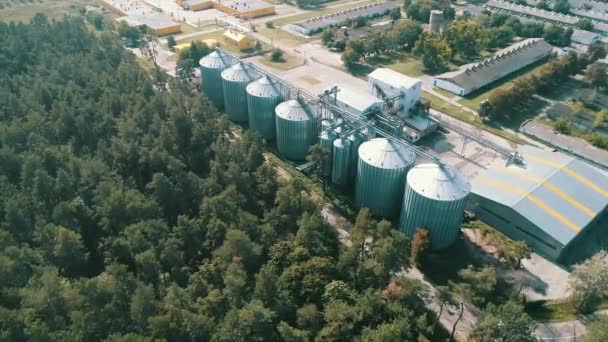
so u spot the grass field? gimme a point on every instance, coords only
(218, 35)
(278, 35)
(288, 62)
(24, 10)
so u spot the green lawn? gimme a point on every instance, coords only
(278, 35)
(470, 118)
(288, 62)
(24, 10)
(554, 311)
(219, 36)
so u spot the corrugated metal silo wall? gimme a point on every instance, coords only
(341, 162)
(212, 85)
(441, 218)
(326, 140)
(235, 100)
(262, 114)
(380, 190)
(293, 138)
(356, 139)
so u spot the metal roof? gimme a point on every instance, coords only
(264, 87)
(476, 75)
(394, 78)
(355, 98)
(294, 110)
(438, 182)
(386, 154)
(215, 60)
(558, 193)
(339, 17)
(240, 72)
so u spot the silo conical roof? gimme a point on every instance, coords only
(240, 72)
(294, 110)
(438, 182)
(386, 154)
(264, 87)
(215, 60)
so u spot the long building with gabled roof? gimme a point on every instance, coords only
(471, 77)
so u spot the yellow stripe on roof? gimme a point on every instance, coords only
(534, 200)
(572, 173)
(553, 189)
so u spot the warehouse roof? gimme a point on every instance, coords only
(393, 78)
(340, 17)
(533, 11)
(584, 37)
(238, 5)
(558, 193)
(152, 21)
(476, 75)
(354, 98)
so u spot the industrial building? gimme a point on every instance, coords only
(314, 25)
(544, 15)
(384, 82)
(471, 77)
(352, 100)
(238, 8)
(238, 39)
(558, 204)
(158, 24)
(346, 123)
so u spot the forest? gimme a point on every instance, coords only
(131, 210)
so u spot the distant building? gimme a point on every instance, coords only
(158, 24)
(584, 37)
(313, 25)
(436, 21)
(238, 39)
(352, 100)
(239, 8)
(544, 15)
(558, 204)
(471, 77)
(384, 82)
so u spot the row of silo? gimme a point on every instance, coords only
(246, 98)
(434, 195)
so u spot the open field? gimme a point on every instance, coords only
(280, 36)
(288, 62)
(218, 35)
(24, 10)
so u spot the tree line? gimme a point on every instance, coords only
(501, 101)
(132, 210)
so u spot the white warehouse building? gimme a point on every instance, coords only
(384, 82)
(351, 99)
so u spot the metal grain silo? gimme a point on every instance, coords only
(381, 172)
(356, 139)
(326, 140)
(263, 96)
(341, 160)
(235, 81)
(212, 66)
(434, 199)
(296, 129)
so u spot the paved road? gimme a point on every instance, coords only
(574, 145)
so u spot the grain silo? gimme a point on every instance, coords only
(263, 96)
(235, 81)
(436, 21)
(341, 160)
(381, 172)
(212, 66)
(326, 140)
(356, 139)
(435, 196)
(296, 129)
